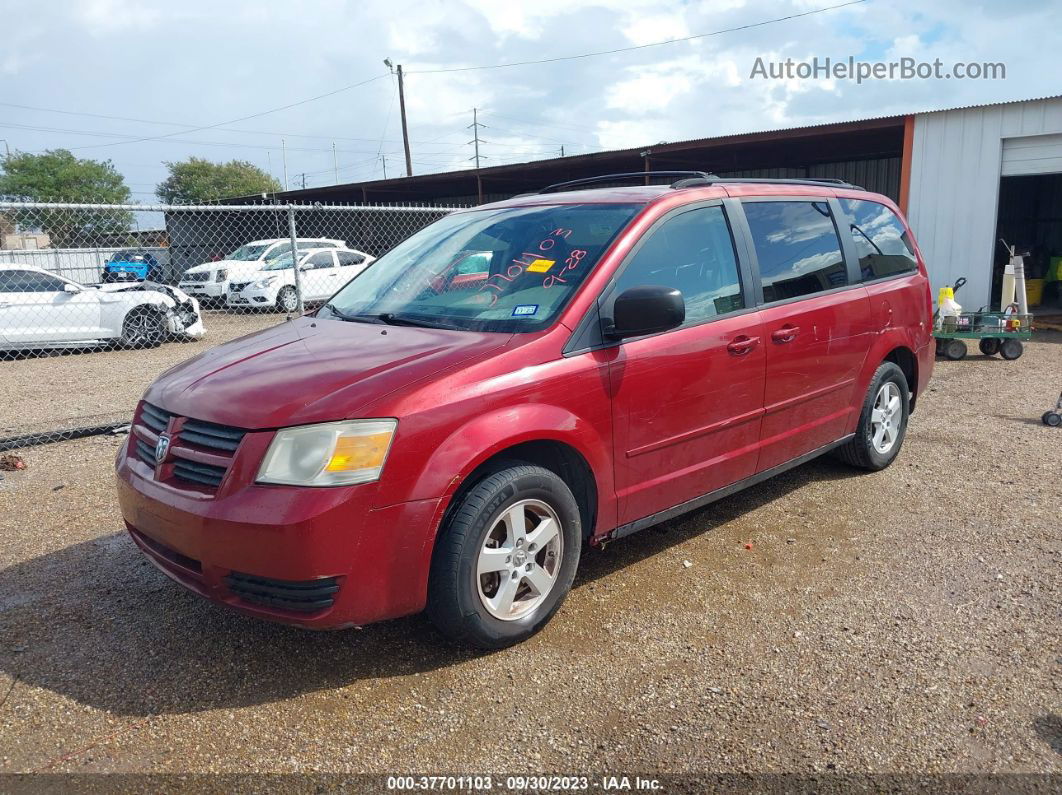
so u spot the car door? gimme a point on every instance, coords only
(816, 318)
(687, 403)
(320, 276)
(35, 309)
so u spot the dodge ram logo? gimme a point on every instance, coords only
(162, 446)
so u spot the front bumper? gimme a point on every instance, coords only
(212, 290)
(252, 296)
(215, 544)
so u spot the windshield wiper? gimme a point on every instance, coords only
(351, 318)
(395, 319)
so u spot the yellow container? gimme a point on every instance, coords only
(1034, 291)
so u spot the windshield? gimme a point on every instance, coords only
(509, 269)
(281, 263)
(127, 256)
(248, 253)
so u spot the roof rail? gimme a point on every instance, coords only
(711, 179)
(699, 175)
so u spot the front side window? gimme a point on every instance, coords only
(14, 281)
(692, 252)
(322, 259)
(797, 248)
(529, 261)
(881, 240)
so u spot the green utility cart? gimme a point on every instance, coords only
(996, 332)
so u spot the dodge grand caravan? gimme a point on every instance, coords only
(521, 379)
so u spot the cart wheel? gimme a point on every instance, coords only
(1011, 349)
(955, 350)
(940, 347)
(1052, 418)
(989, 346)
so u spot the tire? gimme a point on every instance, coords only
(989, 346)
(487, 610)
(1011, 349)
(955, 350)
(1052, 419)
(142, 328)
(287, 300)
(862, 450)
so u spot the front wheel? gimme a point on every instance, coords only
(989, 346)
(506, 558)
(1011, 349)
(287, 300)
(143, 328)
(882, 421)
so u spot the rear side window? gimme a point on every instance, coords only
(347, 258)
(881, 240)
(797, 248)
(694, 253)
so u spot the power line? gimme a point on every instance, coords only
(579, 56)
(242, 118)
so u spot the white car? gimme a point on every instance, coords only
(39, 309)
(322, 271)
(210, 281)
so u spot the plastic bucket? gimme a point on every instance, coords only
(1034, 291)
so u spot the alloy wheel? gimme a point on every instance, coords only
(886, 417)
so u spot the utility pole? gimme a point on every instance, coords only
(562, 150)
(335, 162)
(7, 149)
(303, 175)
(402, 112)
(475, 125)
(383, 161)
(284, 157)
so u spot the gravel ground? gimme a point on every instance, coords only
(906, 622)
(101, 385)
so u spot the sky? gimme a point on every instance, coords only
(141, 82)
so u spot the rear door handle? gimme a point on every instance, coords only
(742, 345)
(785, 334)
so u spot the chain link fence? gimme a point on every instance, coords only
(97, 300)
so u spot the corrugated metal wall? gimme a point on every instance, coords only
(955, 171)
(881, 175)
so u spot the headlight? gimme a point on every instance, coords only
(268, 280)
(221, 275)
(330, 454)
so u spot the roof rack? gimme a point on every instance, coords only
(699, 175)
(696, 179)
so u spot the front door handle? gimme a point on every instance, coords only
(785, 334)
(742, 345)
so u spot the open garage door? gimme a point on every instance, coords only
(1031, 155)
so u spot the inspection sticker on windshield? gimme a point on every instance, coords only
(540, 266)
(526, 309)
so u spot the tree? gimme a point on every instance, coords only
(57, 176)
(197, 180)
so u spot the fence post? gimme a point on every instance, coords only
(295, 260)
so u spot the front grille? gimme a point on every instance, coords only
(196, 277)
(200, 452)
(195, 472)
(207, 434)
(145, 452)
(307, 596)
(155, 418)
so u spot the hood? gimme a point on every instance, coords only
(311, 370)
(229, 264)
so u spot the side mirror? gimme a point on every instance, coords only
(70, 288)
(646, 309)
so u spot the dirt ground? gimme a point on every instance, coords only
(100, 386)
(906, 621)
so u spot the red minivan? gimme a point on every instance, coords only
(523, 378)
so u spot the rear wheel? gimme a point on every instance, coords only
(1011, 349)
(989, 346)
(1052, 418)
(287, 300)
(882, 421)
(143, 328)
(506, 558)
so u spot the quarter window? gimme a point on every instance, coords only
(797, 248)
(881, 240)
(694, 253)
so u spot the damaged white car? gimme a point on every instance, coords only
(39, 309)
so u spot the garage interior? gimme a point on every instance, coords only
(1030, 218)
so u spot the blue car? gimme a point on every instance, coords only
(131, 265)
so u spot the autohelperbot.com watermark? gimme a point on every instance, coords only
(906, 68)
